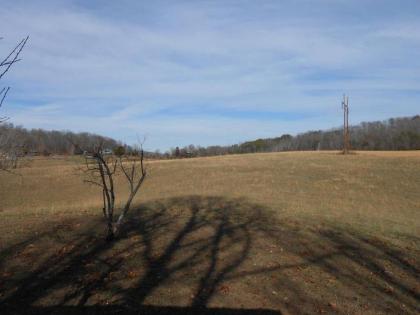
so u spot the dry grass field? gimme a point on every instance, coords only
(274, 233)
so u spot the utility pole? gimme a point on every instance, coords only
(346, 134)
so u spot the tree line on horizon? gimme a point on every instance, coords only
(45, 142)
(392, 134)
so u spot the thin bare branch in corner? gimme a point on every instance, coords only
(10, 150)
(12, 57)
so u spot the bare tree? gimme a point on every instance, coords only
(9, 152)
(135, 173)
(100, 170)
(8, 147)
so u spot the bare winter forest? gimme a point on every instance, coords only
(393, 134)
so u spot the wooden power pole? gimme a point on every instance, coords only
(346, 134)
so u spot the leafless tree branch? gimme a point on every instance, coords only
(100, 170)
(135, 182)
(9, 149)
(12, 57)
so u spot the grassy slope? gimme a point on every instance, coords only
(300, 232)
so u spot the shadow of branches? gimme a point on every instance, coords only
(202, 255)
(197, 240)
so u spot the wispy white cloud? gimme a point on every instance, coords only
(122, 68)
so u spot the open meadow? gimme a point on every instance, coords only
(271, 233)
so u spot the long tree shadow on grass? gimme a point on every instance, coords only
(173, 252)
(206, 255)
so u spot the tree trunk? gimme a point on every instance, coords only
(110, 234)
(128, 204)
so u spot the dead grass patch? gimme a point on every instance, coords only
(254, 232)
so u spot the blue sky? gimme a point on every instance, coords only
(209, 72)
